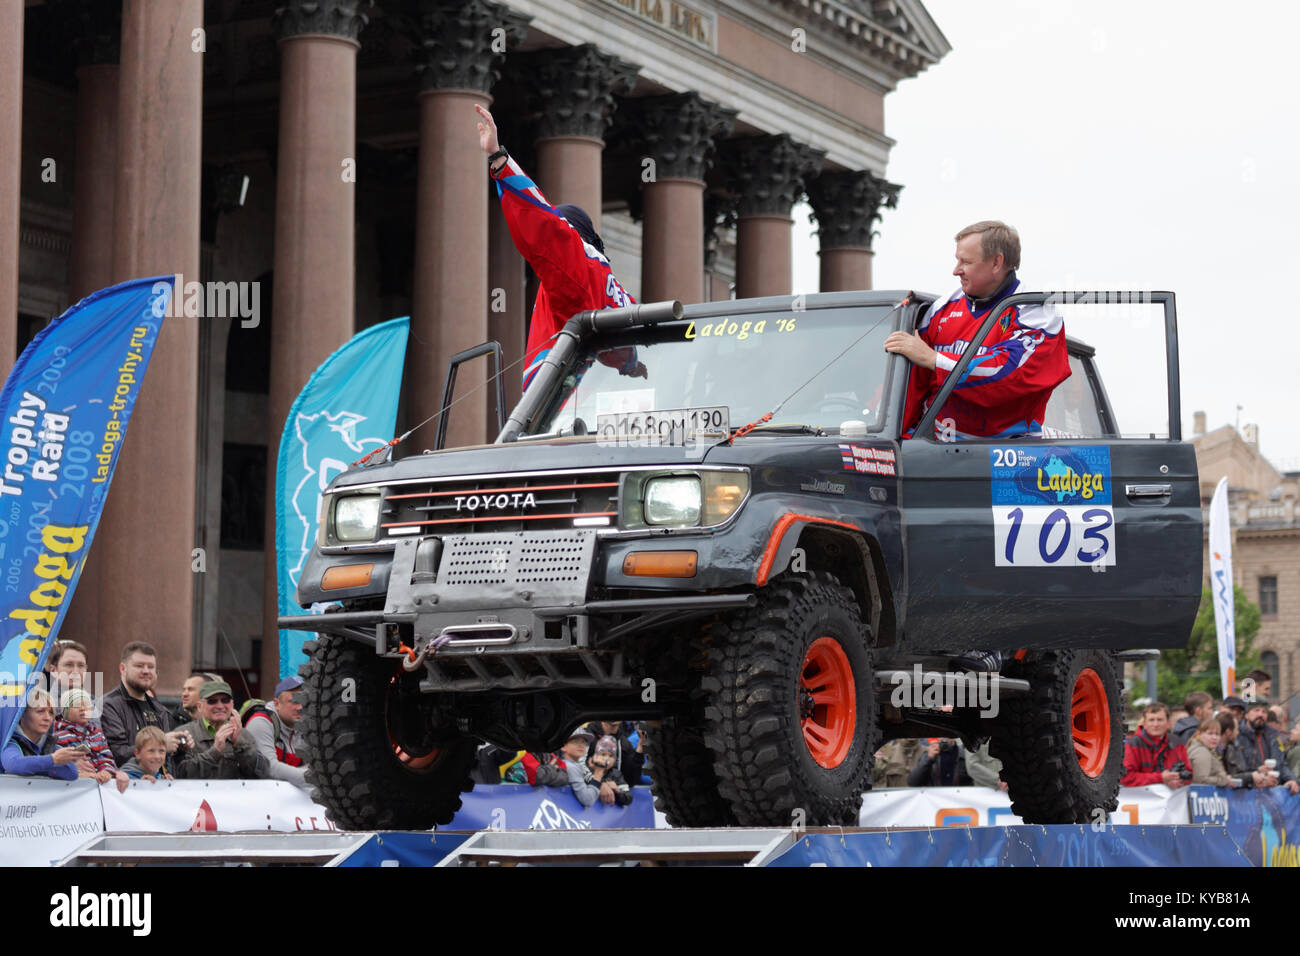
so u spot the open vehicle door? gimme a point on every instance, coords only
(1094, 532)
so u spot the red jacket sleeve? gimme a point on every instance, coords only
(1132, 776)
(530, 768)
(1031, 357)
(552, 247)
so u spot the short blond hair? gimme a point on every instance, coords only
(147, 735)
(995, 238)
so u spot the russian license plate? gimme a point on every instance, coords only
(668, 426)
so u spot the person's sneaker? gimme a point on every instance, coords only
(979, 662)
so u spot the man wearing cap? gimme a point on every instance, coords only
(1259, 742)
(270, 727)
(551, 770)
(217, 748)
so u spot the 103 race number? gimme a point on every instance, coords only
(1042, 536)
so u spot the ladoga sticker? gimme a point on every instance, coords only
(1052, 507)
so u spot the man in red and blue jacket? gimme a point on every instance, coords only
(1004, 391)
(1150, 756)
(563, 248)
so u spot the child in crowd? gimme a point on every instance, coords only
(149, 761)
(598, 779)
(76, 729)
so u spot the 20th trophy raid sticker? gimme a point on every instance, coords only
(1052, 506)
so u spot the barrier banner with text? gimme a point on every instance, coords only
(982, 806)
(1264, 823)
(228, 805)
(43, 820)
(510, 807)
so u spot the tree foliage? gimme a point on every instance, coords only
(1196, 667)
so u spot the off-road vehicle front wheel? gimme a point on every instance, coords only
(1062, 747)
(791, 715)
(379, 759)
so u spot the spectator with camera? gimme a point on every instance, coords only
(32, 752)
(1234, 761)
(1149, 755)
(941, 764)
(215, 746)
(599, 778)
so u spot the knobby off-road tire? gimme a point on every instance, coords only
(791, 715)
(372, 764)
(682, 779)
(1062, 747)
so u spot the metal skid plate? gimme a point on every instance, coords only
(486, 573)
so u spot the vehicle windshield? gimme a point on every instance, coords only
(745, 363)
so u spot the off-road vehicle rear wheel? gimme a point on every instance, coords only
(791, 707)
(1062, 747)
(378, 759)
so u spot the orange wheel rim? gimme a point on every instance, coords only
(828, 702)
(1090, 722)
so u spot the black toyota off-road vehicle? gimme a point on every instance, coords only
(738, 549)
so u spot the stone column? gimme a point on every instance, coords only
(458, 58)
(147, 533)
(97, 40)
(313, 309)
(766, 175)
(11, 152)
(679, 133)
(95, 29)
(846, 205)
(572, 92)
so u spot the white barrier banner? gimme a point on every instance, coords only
(227, 805)
(981, 806)
(42, 820)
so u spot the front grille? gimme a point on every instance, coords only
(546, 562)
(535, 502)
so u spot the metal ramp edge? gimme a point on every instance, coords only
(747, 847)
(307, 848)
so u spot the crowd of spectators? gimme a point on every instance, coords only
(1236, 744)
(1232, 743)
(129, 734)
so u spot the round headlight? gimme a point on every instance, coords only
(673, 500)
(356, 517)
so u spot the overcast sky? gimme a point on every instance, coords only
(1133, 145)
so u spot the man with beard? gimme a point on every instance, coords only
(131, 706)
(1259, 742)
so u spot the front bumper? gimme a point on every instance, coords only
(507, 612)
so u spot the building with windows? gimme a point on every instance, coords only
(1264, 508)
(326, 151)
